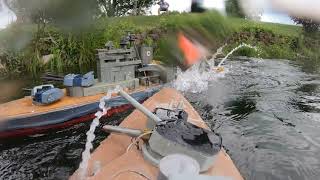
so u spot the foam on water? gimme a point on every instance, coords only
(196, 79)
(90, 134)
(193, 80)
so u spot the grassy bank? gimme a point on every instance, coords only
(73, 50)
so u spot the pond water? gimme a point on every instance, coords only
(55, 155)
(12, 89)
(267, 112)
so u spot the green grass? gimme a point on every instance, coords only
(21, 46)
(281, 29)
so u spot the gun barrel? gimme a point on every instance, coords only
(121, 130)
(137, 105)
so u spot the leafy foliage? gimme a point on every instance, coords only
(71, 12)
(309, 25)
(271, 44)
(112, 8)
(63, 12)
(233, 8)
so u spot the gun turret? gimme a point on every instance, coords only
(173, 134)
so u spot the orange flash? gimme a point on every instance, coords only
(190, 50)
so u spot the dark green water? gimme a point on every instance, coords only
(266, 111)
(55, 155)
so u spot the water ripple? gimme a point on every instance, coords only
(269, 119)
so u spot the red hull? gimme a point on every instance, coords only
(43, 129)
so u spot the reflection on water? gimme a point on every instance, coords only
(240, 108)
(309, 65)
(55, 155)
(269, 118)
(11, 89)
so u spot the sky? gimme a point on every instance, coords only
(6, 16)
(276, 17)
(268, 16)
(184, 5)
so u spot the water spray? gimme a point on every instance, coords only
(196, 79)
(233, 50)
(90, 134)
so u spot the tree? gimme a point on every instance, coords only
(68, 12)
(309, 25)
(53, 11)
(124, 7)
(233, 8)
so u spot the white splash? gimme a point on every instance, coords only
(196, 79)
(235, 49)
(90, 134)
(193, 80)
